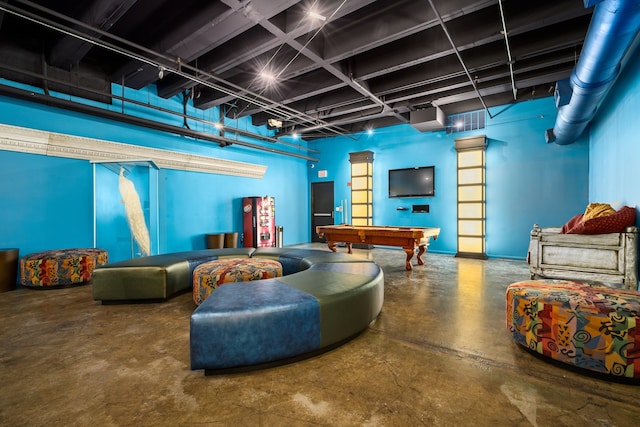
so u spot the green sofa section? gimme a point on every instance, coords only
(155, 277)
(350, 296)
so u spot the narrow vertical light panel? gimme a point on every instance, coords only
(361, 187)
(471, 197)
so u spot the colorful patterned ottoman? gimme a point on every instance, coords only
(210, 275)
(59, 268)
(589, 326)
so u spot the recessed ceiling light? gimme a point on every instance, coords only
(267, 76)
(315, 15)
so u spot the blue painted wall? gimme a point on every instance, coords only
(528, 181)
(615, 141)
(47, 202)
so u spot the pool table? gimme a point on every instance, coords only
(406, 237)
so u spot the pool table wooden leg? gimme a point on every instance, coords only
(409, 252)
(333, 246)
(421, 250)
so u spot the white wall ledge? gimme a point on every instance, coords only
(25, 140)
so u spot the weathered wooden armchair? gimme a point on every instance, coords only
(608, 258)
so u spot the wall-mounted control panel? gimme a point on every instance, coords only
(420, 209)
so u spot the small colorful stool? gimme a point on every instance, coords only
(210, 275)
(586, 325)
(60, 268)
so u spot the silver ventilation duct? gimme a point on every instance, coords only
(427, 119)
(613, 28)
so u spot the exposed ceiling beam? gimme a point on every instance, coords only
(68, 51)
(413, 52)
(365, 63)
(261, 42)
(204, 31)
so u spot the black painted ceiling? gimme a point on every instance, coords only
(357, 64)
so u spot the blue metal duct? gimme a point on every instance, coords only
(613, 28)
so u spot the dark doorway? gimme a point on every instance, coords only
(321, 207)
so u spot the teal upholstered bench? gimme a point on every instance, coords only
(323, 299)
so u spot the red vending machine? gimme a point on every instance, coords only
(259, 222)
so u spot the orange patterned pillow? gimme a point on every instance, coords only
(615, 223)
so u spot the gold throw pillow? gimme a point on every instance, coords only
(596, 210)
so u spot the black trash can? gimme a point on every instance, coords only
(8, 269)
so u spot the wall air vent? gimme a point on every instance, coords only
(466, 121)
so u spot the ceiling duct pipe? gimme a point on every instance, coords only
(613, 28)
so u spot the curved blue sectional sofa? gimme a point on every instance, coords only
(322, 300)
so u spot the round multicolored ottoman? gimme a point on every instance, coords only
(587, 325)
(59, 268)
(210, 275)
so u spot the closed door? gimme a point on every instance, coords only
(321, 207)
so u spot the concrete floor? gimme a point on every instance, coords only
(439, 355)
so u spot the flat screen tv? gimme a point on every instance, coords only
(412, 182)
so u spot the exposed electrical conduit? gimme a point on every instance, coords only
(614, 25)
(506, 41)
(298, 52)
(97, 42)
(137, 121)
(464, 66)
(324, 125)
(267, 104)
(164, 110)
(385, 107)
(185, 101)
(359, 86)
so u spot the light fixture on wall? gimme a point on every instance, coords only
(471, 196)
(361, 187)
